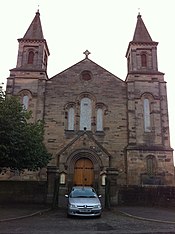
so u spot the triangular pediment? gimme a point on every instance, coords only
(86, 140)
(86, 64)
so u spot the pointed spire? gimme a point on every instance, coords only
(35, 29)
(141, 33)
(33, 43)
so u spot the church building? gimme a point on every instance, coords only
(97, 126)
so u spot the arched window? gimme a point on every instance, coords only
(99, 119)
(147, 117)
(71, 118)
(150, 165)
(30, 57)
(128, 63)
(85, 114)
(143, 60)
(45, 59)
(25, 102)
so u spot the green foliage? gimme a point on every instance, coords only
(21, 142)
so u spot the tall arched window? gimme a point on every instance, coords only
(128, 63)
(150, 165)
(99, 119)
(45, 59)
(25, 102)
(30, 57)
(147, 117)
(85, 114)
(143, 60)
(71, 118)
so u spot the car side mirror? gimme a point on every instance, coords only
(66, 195)
(99, 195)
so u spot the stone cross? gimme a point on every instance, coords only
(87, 53)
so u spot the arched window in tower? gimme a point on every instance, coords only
(71, 119)
(30, 57)
(99, 119)
(25, 102)
(143, 60)
(45, 59)
(151, 162)
(128, 63)
(147, 117)
(85, 114)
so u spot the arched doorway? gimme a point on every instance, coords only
(83, 172)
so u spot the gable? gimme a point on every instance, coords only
(75, 80)
(87, 65)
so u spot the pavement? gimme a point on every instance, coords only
(9, 212)
(153, 214)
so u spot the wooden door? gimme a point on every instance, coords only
(83, 172)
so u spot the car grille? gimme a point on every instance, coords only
(85, 207)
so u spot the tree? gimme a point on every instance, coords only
(21, 142)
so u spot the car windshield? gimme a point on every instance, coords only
(83, 193)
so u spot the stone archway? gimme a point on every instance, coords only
(96, 161)
(83, 168)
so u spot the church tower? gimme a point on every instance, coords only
(29, 77)
(148, 126)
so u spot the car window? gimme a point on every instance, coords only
(83, 193)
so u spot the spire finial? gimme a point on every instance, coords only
(87, 53)
(38, 9)
(139, 12)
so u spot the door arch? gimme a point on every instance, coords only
(83, 172)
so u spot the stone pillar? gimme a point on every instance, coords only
(52, 177)
(111, 186)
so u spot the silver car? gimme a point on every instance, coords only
(83, 201)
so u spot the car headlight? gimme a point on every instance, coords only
(72, 206)
(97, 206)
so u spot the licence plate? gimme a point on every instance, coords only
(85, 210)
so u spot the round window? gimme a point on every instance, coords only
(86, 76)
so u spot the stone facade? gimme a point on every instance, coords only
(89, 113)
